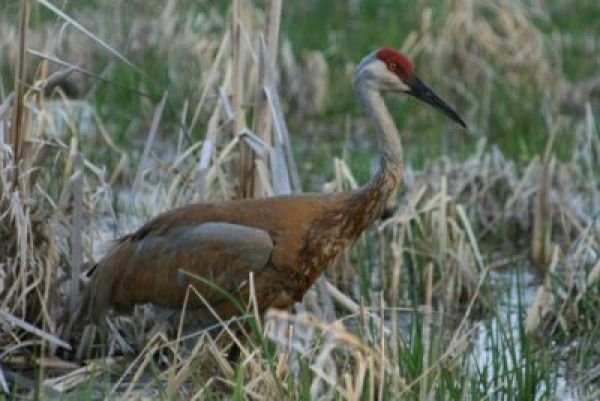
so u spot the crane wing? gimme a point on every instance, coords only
(148, 269)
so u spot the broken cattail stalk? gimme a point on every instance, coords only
(541, 251)
(542, 223)
(281, 130)
(222, 107)
(245, 166)
(15, 321)
(541, 304)
(279, 167)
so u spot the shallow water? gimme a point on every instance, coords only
(515, 288)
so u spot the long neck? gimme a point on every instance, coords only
(392, 157)
(370, 200)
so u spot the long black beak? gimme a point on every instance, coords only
(419, 90)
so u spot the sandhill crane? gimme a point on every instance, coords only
(285, 241)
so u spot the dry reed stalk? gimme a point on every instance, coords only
(212, 77)
(143, 355)
(73, 67)
(182, 129)
(281, 140)
(427, 311)
(149, 142)
(394, 291)
(442, 223)
(17, 129)
(152, 347)
(15, 321)
(326, 299)
(76, 232)
(263, 175)
(541, 252)
(207, 150)
(50, 81)
(245, 164)
(19, 288)
(35, 163)
(382, 353)
(347, 303)
(542, 302)
(210, 309)
(279, 167)
(90, 35)
(262, 120)
(542, 223)
(5, 106)
(3, 382)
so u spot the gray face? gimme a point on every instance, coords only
(374, 74)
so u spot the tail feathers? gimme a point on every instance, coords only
(91, 308)
(97, 297)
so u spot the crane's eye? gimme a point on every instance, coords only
(392, 66)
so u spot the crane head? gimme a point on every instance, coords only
(388, 70)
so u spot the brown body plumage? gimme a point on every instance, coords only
(307, 233)
(285, 241)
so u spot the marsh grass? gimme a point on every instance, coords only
(399, 316)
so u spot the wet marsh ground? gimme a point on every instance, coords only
(438, 302)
